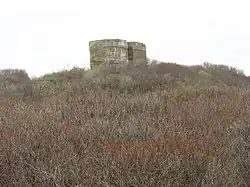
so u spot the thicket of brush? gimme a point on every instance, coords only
(162, 125)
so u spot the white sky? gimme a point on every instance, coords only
(49, 35)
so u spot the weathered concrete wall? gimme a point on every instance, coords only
(117, 51)
(137, 53)
(108, 51)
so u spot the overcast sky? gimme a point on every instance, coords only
(49, 35)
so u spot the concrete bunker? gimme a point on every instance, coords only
(116, 51)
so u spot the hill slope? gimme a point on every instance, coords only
(164, 125)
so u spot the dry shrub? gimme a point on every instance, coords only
(126, 128)
(145, 150)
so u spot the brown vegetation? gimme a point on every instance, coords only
(162, 125)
